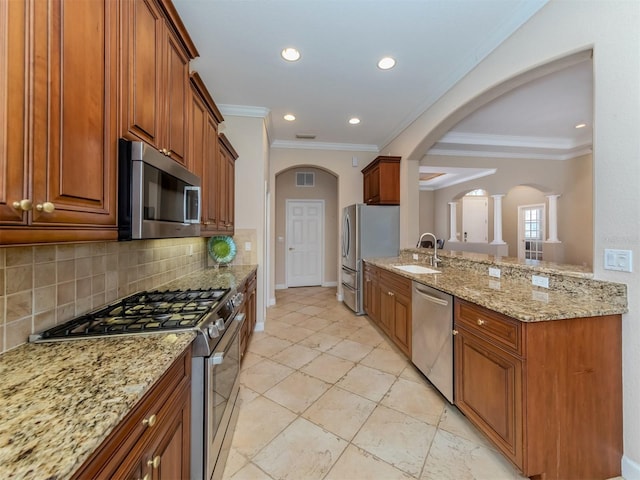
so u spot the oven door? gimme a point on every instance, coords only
(223, 369)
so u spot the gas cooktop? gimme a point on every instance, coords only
(143, 312)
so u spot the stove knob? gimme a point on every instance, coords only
(220, 324)
(213, 332)
(238, 299)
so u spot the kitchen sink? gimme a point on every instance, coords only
(415, 269)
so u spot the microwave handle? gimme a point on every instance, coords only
(188, 189)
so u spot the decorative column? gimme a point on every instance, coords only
(553, 219)
(497, 220)
(453, 222)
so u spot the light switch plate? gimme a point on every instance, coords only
(619, 260)
(415, 256)
(494, 272)
(247, 246)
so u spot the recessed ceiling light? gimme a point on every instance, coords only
(354, 121)
(581, 125)
(290, 54)
(289, 118)
(386, 63)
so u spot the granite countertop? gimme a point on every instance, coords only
(569, 296)
(59, 401)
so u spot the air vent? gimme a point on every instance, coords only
(305, 136)
(305, 179)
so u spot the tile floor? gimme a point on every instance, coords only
(326, 396)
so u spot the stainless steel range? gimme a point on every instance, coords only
(213, 315)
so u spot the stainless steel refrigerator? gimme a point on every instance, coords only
(367, 231)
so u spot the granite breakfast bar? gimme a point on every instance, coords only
(537, 370)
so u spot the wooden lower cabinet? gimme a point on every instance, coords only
(547, 394)
(250, 310)
(153, 441)
(387, 301)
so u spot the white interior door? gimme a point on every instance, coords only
(475, 219)
(305, 248)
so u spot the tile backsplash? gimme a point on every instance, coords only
(42, 286)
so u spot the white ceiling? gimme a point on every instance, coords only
(435, 43)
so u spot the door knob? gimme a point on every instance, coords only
(24, 205)
(46, 207)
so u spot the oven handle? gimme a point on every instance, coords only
(227, 339)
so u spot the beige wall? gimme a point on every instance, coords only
(525, 182)
(339, 163)
(249, 138)
(561, 28)
(326, 189)
(46, 285)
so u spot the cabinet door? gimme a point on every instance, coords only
(387, 309)
(210, 177)
(372, 186)
(176, 99)
(141, 70)
(74, 129)
(169, 457)
(488, 390)
(230, 177)
(371, 294)
(402, 322)
(197, 139)
(223, 185)
(13, 110)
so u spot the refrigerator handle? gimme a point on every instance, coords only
(346, 235)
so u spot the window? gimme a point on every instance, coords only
(305, 179)
(532, 227)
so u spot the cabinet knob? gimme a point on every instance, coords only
(151, 421)
(480, 322)
(155, 462)
(390, 294)
(146, 477)
(46, 207)
(454, 332)
(25, 205)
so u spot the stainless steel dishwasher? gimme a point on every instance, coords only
(432, 338)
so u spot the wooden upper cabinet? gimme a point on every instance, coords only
(155, 72)
(13, 111)
(203, 150)
(63, 120)
(381, 181)
(226, 184)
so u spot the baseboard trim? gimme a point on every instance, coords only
(630, 469)
(339, 297)
(329, 284)
(280, 286)
(272, 301)
(259, 327)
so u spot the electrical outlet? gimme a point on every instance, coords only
(247, 246)
(494, 272)
(494, 285)
(415, 256)
(540, 281)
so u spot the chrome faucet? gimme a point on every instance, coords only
(435, 259)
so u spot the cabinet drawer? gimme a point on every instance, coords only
(490, 325)
(396, 283)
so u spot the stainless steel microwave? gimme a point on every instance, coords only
(157, 197)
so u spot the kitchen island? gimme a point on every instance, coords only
(60, 401)
(537, 370)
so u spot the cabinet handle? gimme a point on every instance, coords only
(46, 207)
(146, 477)
(24, 205)
(155, 463)
(151, 421)
(480, 322)
(454, 332)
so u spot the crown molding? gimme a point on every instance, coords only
(244, 111)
